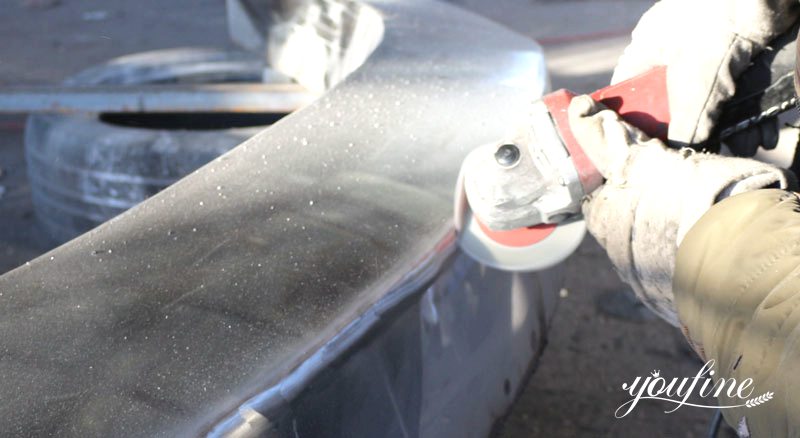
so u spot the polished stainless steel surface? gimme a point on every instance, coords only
(227, 302)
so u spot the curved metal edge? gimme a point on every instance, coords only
(412, 284)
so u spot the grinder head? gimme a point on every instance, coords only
(525, 192)
(517, 200)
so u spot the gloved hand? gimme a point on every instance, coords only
(652, 196)
(706, 45)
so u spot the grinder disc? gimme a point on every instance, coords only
(520, 250)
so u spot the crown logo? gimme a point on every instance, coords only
(655, 373)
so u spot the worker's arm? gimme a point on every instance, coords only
(699, 225)
(706, 45)
(652, 196)
(737, 291)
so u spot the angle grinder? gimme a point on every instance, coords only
(532, 183)
(517, 203)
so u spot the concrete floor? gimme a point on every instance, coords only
(591, 352)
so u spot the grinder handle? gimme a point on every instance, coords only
(641, 101)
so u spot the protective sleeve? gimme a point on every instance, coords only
(737, 292)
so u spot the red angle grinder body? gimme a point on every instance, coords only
(549, 236)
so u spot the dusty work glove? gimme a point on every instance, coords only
(706, 45)
(652, 196)
(737, 291)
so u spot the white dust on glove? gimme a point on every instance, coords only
(652, 196)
